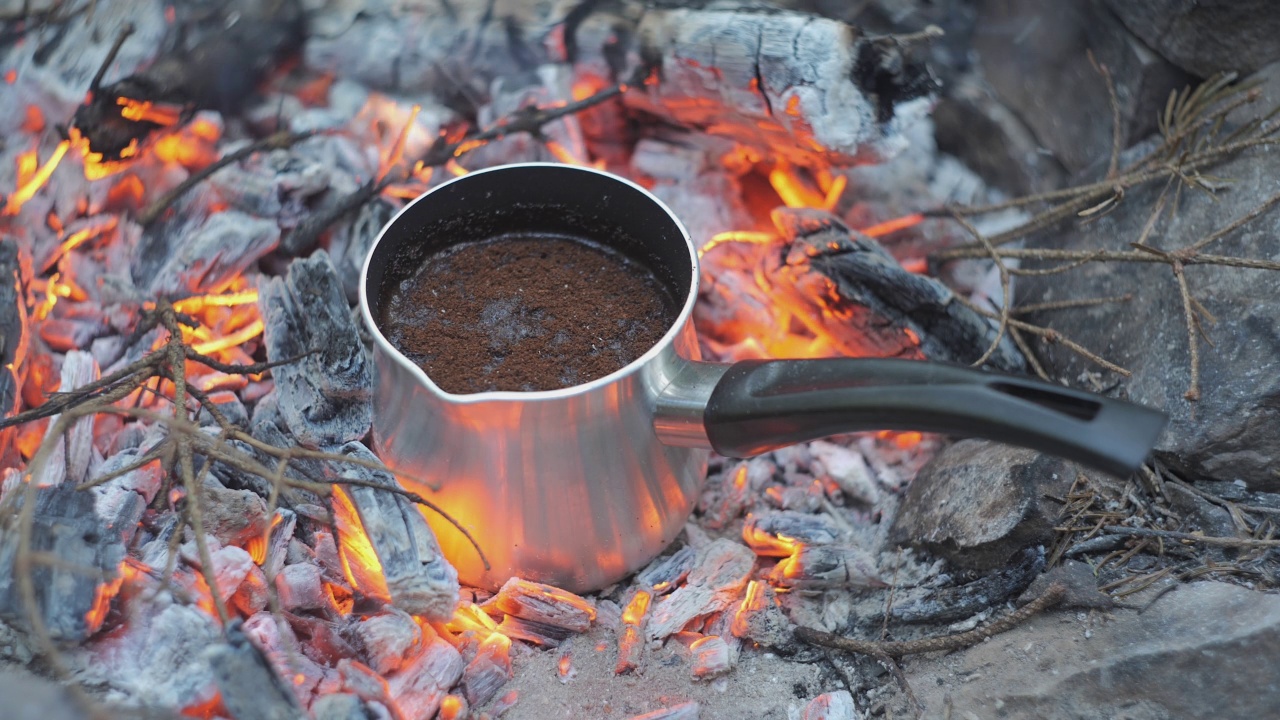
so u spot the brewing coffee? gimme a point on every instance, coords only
(525, 312)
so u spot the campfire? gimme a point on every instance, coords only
(192, 515)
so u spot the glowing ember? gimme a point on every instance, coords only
(146, 111)
(28, 189)
(359, 560)
(894, 225)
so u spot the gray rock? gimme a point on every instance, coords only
(1035, 53)
(1233, 431)
(977, 503)
(1201, 651)
(1206, 36)
(324, 398)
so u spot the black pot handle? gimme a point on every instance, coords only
(762, 405)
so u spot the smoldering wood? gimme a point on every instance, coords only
(324, 398)
(827, 566)
(665, 573)
(712, 656)
(339, 706)
(89, 548)
(387, 639)
(421, 581)
(487, 672)
(713, 585)
(544, 604)
(836, 705)
(219, 70)
(250, 688)
(868, 276)
(532, 631)
(69, 459)
(762, 621)
(191, 257)
(951, 604)
(778, 80)
(13, 340)
(300, 587)
(420, 686)
(773, 533)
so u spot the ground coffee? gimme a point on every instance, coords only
(525, 312)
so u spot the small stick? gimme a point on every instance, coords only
(1190, 537)
(1052, 596)
(1193, 340)
(1070, 304)
(96, 82)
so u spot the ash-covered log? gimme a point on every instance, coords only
(236, 45)
(777, 534)
(418, 578)
(778, 80)
(13, 339)
(866, 275)
(324, 398)
(713, 585)
(249, 687)
(827, 566)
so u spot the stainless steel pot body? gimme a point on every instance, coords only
(572, 487)
(580, 486)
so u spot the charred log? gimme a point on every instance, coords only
(966, 600)
(217, 72)
(249, 686)
(868, 276)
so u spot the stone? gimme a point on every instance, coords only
(1232, 432)
(977, 503)
(1035, 54)
(1207, 36)
(1196, 652)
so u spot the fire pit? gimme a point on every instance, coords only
(192, 517)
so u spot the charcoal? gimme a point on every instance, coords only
(204, 258)
(275, 185)
(15, 268)
(631, 638)
(836, 705)
(218, 71)
(252, 596)
(69, 459)
(420, 580)
(234, 517)
(420, 686)
(535, 632)
(157, 656)
(925, 313)
(388, 639)
(250, 689)
(848, 469)
(777, 533)
(666, 572)
(351, 241)
(301, 588)
(89, 549)
(760, 620)
(712, 656)
(944, 605)
(543, 603)
(339, 706)
(277, 641)
(488, 671)
(827, 566)
(324, 398)
(713, 585)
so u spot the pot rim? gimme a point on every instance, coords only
(668, 338)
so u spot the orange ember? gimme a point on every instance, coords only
(894, 225)
(636, 609)
(37, 180)
(901, 440)
(753, 600)
(206, 709)
(359, 560)
(146, 111)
